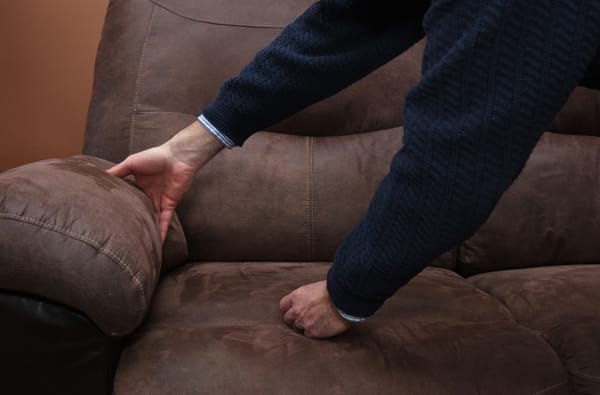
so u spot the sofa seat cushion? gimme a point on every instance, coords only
(562, 303)
(215, 328)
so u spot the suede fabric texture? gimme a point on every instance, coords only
(141, 98)
(281, 197)
(580, 113)
(137, 84)
(69, 229)
(562, 303)
(216, 328)
(174, 248)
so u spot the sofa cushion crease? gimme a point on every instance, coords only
(562, 304)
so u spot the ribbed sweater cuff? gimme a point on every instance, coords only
(347, 302)
(228, 123)
(223, 139)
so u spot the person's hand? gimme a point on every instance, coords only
(310, 309)
(166, 172)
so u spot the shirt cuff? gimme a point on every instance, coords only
(223, 139)
(351, 318)
(350, 304)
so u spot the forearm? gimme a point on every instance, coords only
(333, 44)
(470, 127)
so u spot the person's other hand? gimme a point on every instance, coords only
(166, 172)
(310, 309)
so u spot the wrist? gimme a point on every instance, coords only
(348, 304)
(194, 145)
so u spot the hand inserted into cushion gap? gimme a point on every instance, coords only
(166, 172)
(310, 309)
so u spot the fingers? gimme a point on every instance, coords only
(285, 303)
(160, 180)
(120, 170)
(164, 220)
(290, 317)
(155, 203)
(289, 314)
(296, 322)
(286, 306)
(309, 310)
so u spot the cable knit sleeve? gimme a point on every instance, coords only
(494, 75)
(331, 45)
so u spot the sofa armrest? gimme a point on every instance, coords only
(74, 234)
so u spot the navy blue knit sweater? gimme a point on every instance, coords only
(494, 74)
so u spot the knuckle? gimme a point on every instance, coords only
(290, 312)
(310, 327)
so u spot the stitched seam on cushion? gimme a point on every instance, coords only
(497, 299)
(314, 196)
(307, 193)
(172, 11)
(550, 346)
(138, 83)
(309, 218)
(550, 388)
(522, 325)
(92, 243)
(538, 333)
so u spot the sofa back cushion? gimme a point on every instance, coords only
(160, 62)
(551, 213)
(294, 192)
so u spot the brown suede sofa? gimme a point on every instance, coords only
(91, 303)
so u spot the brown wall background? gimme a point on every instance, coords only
(47, 51)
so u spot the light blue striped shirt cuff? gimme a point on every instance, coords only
(351, 318)
(226, 141)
